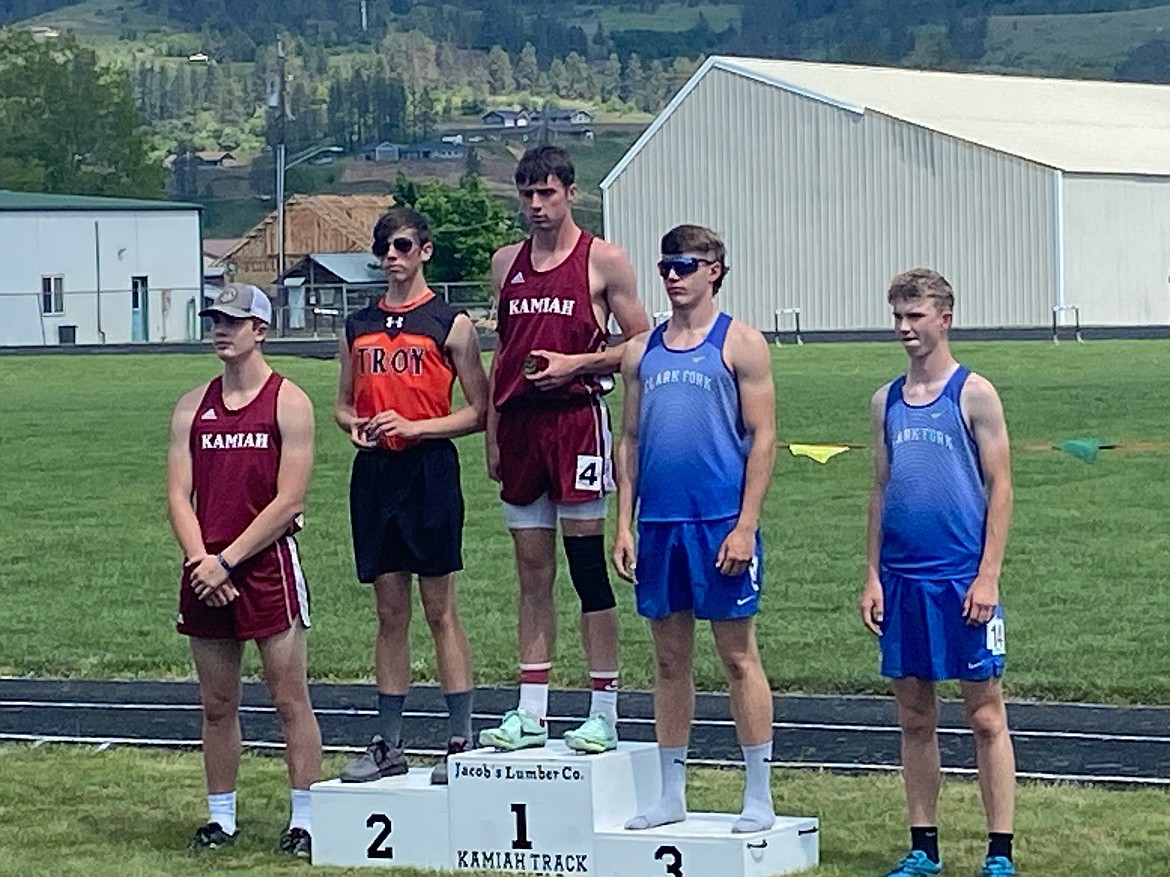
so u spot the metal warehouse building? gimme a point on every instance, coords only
(89, 270)
(827, 180)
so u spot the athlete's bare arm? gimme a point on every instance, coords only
(872, 603)
(749, 357)
(614, 290)
(624, 554)
(984, 412)
(343, 410)
(181, 491)
(502, 260)
(463, 347)
(294, 417)
(181, 478)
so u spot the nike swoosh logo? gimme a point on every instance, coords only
(974, 665)
(746, 599)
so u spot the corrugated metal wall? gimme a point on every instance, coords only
(1117, 249)
(821, 206)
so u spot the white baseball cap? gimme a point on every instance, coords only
(242, 301)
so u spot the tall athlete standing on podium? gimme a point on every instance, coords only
(399, 360)
(240, 457)
(939, 514)
(549, 441)
(696, 456)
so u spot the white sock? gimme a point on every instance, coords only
(222, 809)
(604, 700)
(757, 794)
(300, 810)
(672, 806)
(534, 698)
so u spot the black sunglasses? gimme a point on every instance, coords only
(402, 245)
(682, 266)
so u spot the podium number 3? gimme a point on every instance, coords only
(375, 850)
(674, 866)
(521, 841)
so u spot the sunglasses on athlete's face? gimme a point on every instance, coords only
(402, 245)
(682, 266)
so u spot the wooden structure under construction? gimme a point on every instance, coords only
(312, 224)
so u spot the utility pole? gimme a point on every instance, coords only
(365, 16)
(280, 154)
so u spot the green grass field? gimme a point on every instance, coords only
(129, 813)
(91, 571)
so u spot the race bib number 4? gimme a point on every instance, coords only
(590, 472)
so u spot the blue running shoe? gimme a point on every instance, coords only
(998, 866)
(916, 864)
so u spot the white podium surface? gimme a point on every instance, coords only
(537, 810)
(544, 811)
(397, 821)
(704, 846)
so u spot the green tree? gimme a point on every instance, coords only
(500, 79)
(70, 123)
(609, 78)
(467, 225)
(527, 70)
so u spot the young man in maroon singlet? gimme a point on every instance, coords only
(400, 358)
(548, 437)
(240, 458)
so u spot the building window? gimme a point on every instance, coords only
(53, 294)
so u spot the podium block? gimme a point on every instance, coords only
(538, 810)
(398, 821)
(704, 846)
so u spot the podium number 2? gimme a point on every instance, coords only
(674, 866)
(521, 841)
(375, 850)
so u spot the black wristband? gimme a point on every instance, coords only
(227, 567)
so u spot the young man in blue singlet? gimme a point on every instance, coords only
(695, 460)
(939, 514)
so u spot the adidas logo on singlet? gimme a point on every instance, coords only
(518, 277)
(209, 414)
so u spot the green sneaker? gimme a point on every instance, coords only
(598, 734)
(520, 729)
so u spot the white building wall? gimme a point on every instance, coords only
(161, 245)
(821, 206)
(1117, 249)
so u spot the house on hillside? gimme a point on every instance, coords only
(131, 272)
(1031, 196)
(215, 158)
(563, 116)
(505, 118)
(312, 224)
(384, 151)
(433, 150)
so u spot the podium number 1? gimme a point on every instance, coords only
(674, 866)
(375, 850)
(521, 841)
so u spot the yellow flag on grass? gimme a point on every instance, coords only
(820, 453)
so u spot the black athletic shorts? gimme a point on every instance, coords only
(406, 511)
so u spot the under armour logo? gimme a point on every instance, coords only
(393, 322)
(517, 278)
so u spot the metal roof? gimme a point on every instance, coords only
(40, 201)
(350, 267)
(1079, 126)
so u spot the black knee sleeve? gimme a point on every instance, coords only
(586, 556)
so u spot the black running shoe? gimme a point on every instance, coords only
(296, 842)
(379, 760)
(211, 837)
(454, 746)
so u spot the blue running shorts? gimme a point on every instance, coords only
(924, 635)
(676, 572)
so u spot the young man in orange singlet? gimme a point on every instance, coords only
(399, 360)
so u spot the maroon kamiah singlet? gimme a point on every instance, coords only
(235, 455)
(546, 310)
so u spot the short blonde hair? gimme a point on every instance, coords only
(920, 283)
